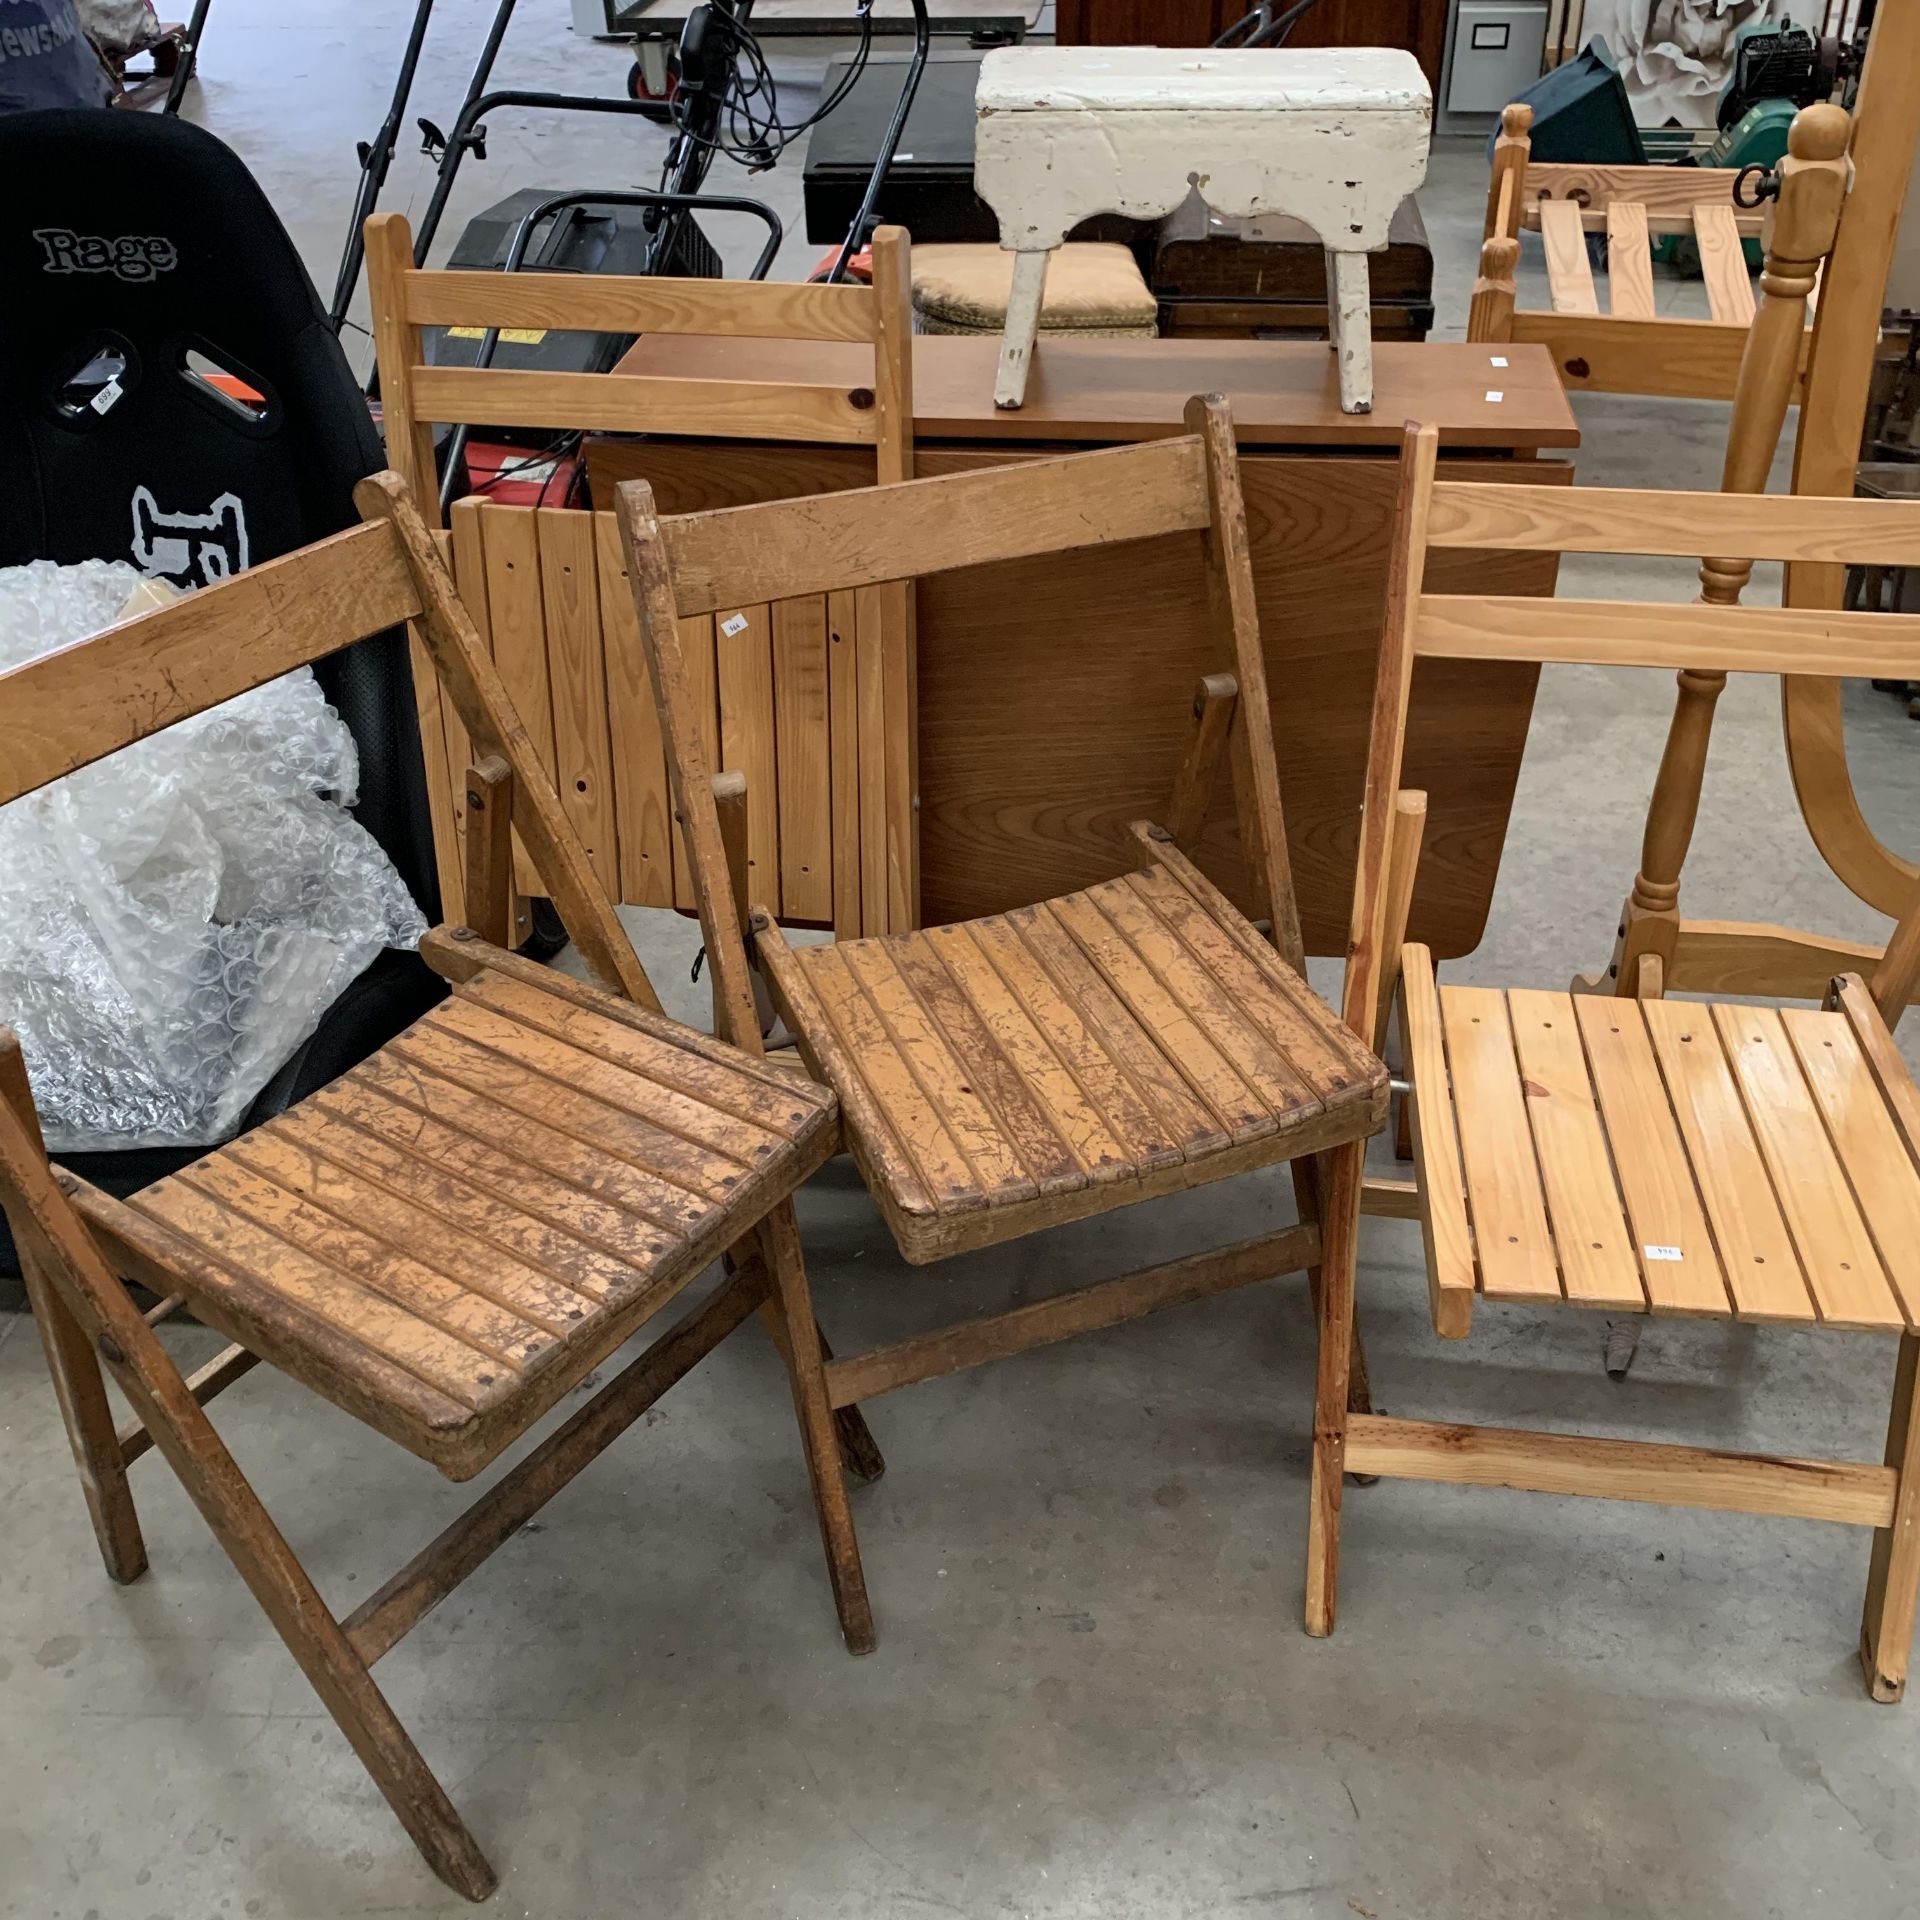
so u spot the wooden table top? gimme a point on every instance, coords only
(1283, 392)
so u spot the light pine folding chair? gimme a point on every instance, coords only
(1010, 1074)
(1643, 1154)
(448, 1239)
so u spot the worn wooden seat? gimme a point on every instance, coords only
(1094, 1050)
(1002, 1076)
(1641, 1154)
(447, 1239)
(481, 1212)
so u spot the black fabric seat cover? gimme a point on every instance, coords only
(144, 237)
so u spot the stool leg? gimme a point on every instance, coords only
(1023, 322)
(1350, 309)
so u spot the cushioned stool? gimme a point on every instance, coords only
(1094, 290)
(1335, 137)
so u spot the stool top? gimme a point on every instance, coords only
(1032, 79)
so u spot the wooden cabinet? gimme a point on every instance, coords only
(1418, 25)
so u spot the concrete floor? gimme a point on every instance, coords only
(1092, 1695)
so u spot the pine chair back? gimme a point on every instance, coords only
(690, 565)
(1726, 638)
(415, 396)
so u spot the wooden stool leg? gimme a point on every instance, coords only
(82, 1394)
(1893, 1573)
(1350, 308)
(1023, 324)
(1340, 1232)
(780, 1241)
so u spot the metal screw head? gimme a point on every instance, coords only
(110, 1350)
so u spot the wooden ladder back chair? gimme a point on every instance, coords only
(1647, 1155)
(1040, 1066)
(549, 646)
(1631, 348)
(445, 1241)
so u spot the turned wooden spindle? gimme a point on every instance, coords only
(1507, 181)
(1490, 312)
(1799, 234)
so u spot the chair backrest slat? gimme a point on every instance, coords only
(68, 709)
(739, 556)
(630, 303)
(640, 403)
(1633, 633)
(1641, 520)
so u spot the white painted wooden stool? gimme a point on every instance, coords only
(1336, 137)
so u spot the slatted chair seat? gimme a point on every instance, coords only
(445, 1240)
(1660, 1156)
(1133, 1039)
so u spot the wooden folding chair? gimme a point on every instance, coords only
(1009, 1074)
(448, 1239)
(559, 695)
(1631, 348)
(1645, 1155)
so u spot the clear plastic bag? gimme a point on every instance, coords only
(175, 918)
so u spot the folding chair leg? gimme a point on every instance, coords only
(1306, 1200)
(780, 1241)
(1340, 1177)
(860, 1453)
(82, 1394)
(1893, 1573)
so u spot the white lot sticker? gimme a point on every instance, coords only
(105, 398)
(1663, 1253)
(734, 623)
(1495, 395)
(1498, 360)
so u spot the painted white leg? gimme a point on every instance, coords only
(1350, 308)
(1023, 323)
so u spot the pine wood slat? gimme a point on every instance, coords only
(549, 1094)
(843, 692)
(767, 1106)
(440, 1198)
(1241, 1040)
(1318, 1045)
(370, 1262)
(1170, 1026)
(870, 703)
(517, 615)
(643, 815)
(1629, 262)
(1441, 1188)
(743, 654)
(1188, 1124)
(1844, 1274)
(1756, 1250)
(1569, 276)
(466, 533)
(942, 1079)
(1496, 1148)
(1598, 1266)
(732, 1141)
(703, 688)
(1125, 1112)
(1663, 1208)
(408, 1105)
(550, 1300)
(1723, 264)
(1885, 1185)
(899, 1140)
(804, 758)
(577, 674)
(1042, 1150)
(442, 1360)
(1051, 1084)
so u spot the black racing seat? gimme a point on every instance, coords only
(171, 395)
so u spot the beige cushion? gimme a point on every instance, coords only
(1091, 288)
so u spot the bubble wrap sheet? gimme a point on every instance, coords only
(175, 918)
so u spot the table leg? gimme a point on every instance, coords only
(1350, 308)
(1023, 323)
